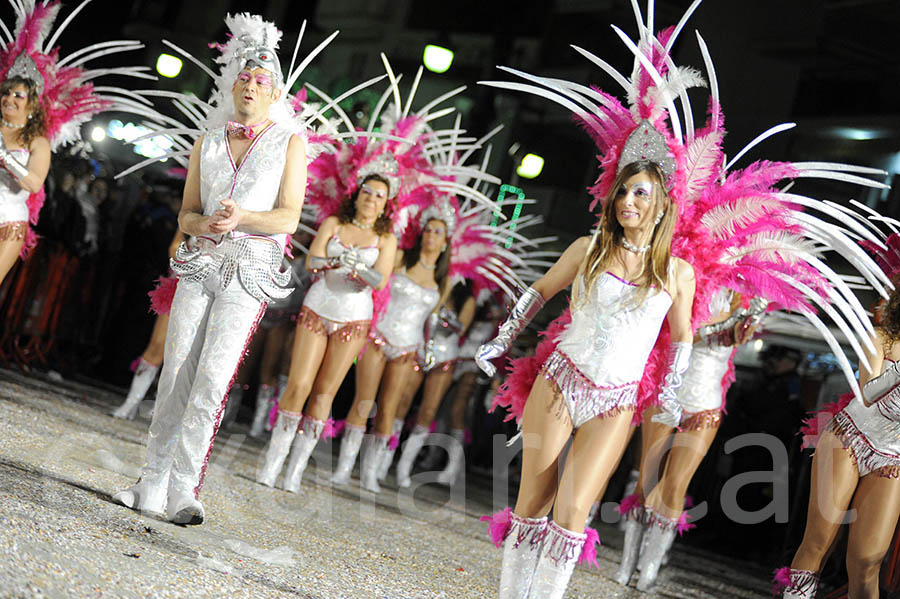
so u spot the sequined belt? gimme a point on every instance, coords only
(255, 260)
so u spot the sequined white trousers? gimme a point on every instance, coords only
(208, 331)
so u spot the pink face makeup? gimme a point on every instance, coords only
(380, 194)
(642, 190)
(261, 79)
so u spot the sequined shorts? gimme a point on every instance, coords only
(696, 421)
(867, 458)
(345, 331)
(584, 399)
(393, 352)
(13, 231)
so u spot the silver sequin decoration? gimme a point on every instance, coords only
(646, 143)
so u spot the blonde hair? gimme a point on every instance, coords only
(610, 233)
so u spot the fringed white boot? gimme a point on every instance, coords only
(389, 455)
(658, 537)
(144, 375)
(411, 449)
(521, 550)
(456, 459)
(800, 584)
(304, 444)
(350, 444)
(634, 533)
(559, 555)
(372, 456)
(279, 445)
(265, 395)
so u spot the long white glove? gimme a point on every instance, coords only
(8, 161)
(525, 309)
(679, 360)
(882, 385)
(360, 269)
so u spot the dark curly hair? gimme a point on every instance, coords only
(35, 126)
(347, 211)
(890, 316)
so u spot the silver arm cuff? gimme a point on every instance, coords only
(16, 168)
(877, 388)
(679, 361)
(317, 263)
(369, 276)
(522, 313)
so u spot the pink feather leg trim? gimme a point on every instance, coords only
(589, 550)
(328, 431)
(781, 580)
(162, 295)
(339, 427)
(393, 442)
(630, 503)
(682, 525)
(273, 415)
(499, 525)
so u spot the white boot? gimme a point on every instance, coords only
(372, 456)
(144, 375)
(634, 532)
(559, 555)
(410, 450)
(304, 444)
(658, 537)
(350, 444)
(265, 395)
(803, 585)
(389, 455)
(279, 446)
(235, 397)
(456, 460)
(280, 386)
(183, 507)
(143, 496)
(521, 549)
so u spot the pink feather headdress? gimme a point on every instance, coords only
(735, 227)
(66, 89)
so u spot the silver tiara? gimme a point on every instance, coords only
(260, 55)
(647, 143)
(443, 211)
(385, 165)
(25, 68)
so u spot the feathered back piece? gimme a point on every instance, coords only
(737, 228)
(65, 84)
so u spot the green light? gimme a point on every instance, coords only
(530, 167)
(517, 211)
(437, 59)
(168, 65)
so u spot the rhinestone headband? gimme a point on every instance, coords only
(259, 55)
(25, 67)
(385, 165)
(442, 211)
(647, 143)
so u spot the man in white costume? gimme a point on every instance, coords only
(242, 199)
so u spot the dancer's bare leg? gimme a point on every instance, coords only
(437, 382)
(832, 484)
(412, 385)
(337, 362)
(369, 369)
(9, 253)
(393, 384)
(596, 450)
(306, 357)
(688, 450)
(655, 439)
(153, 354)
(877, 505)
(271, 359)
(465, 387)
(546, 428)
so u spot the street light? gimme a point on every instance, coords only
(437, 59)
(168, 65)
(98, 134)
(530, 167)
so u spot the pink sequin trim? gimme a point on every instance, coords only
(701, 420)
(584, 399)
(221, 410)
(344, 332)
(867, 459)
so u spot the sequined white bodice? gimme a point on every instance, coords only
(404, 319)
(878, 422)
(254, 183)
(338, 296)
(610, 336)
(13, 198)
(702, 387)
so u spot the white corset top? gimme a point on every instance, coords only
(610, 337)
(404, 319)
(339, 296)
(13, 198)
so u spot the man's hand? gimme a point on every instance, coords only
(227, 218)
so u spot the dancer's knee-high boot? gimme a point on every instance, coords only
(559, 555)
(372, 456)
(410, 450)
(521, 550)
(392, 448)
(144, 375)
(264, 397)
(658, 536)
(304, 444)
(634, 533)
(797, 584)
(456, 459)
(279, 445)
(350, 444)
